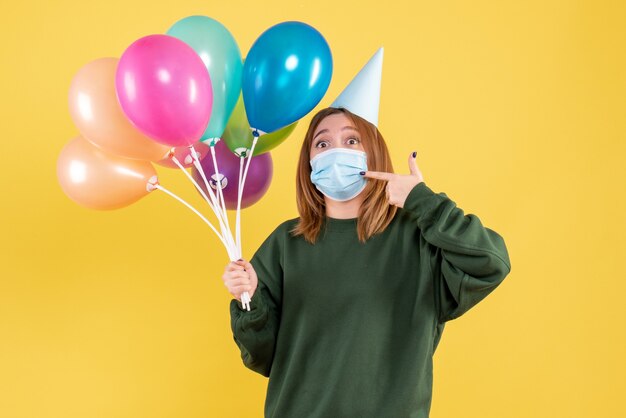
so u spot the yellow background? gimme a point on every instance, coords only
(517, 112)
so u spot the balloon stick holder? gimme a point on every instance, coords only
(257, 132)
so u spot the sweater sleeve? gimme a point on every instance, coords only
(468, 260)
(255, 331)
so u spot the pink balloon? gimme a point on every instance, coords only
(165, 89)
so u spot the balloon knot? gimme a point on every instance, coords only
(152, 183)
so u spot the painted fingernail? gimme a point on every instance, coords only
(241, 259)
(414, 154)
(362, 173)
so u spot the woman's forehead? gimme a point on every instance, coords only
(335, 122)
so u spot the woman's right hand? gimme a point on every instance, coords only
(239, 276)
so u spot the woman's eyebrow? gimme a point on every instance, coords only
(343, 129)
(320, 132)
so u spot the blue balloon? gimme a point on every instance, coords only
(285, 75)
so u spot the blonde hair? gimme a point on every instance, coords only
(375, 212)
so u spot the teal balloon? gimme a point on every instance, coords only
(221, 55)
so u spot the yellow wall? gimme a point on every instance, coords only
(517, 112)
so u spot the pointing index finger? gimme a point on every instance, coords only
(379, 175)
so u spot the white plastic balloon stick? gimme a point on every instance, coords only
(239, 197)
(220, 204)
(238, 215)
(219, 185)
(226, 236)
(218, 209)
(196, 163)
(163, 189)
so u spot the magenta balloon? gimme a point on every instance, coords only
(165, 89)
(257, 182)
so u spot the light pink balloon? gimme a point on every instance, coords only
(97, 180)
(98, 116)
(165, 89)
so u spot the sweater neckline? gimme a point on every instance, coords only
(336, 224)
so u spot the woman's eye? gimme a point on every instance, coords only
(321, 144)
(353, 141)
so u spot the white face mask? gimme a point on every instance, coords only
(336, 173)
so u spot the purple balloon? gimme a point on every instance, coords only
(165, 90)
(257, 182)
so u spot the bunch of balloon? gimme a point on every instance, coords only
(131, 112)
(150, 106)
(171, 98)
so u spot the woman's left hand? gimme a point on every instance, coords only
(399, 185)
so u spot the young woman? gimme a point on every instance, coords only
(350, 299)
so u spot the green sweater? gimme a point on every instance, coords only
(348, 330)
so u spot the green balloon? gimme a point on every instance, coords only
(238, 135)
(221, 56)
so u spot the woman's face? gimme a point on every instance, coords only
(335, 131)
